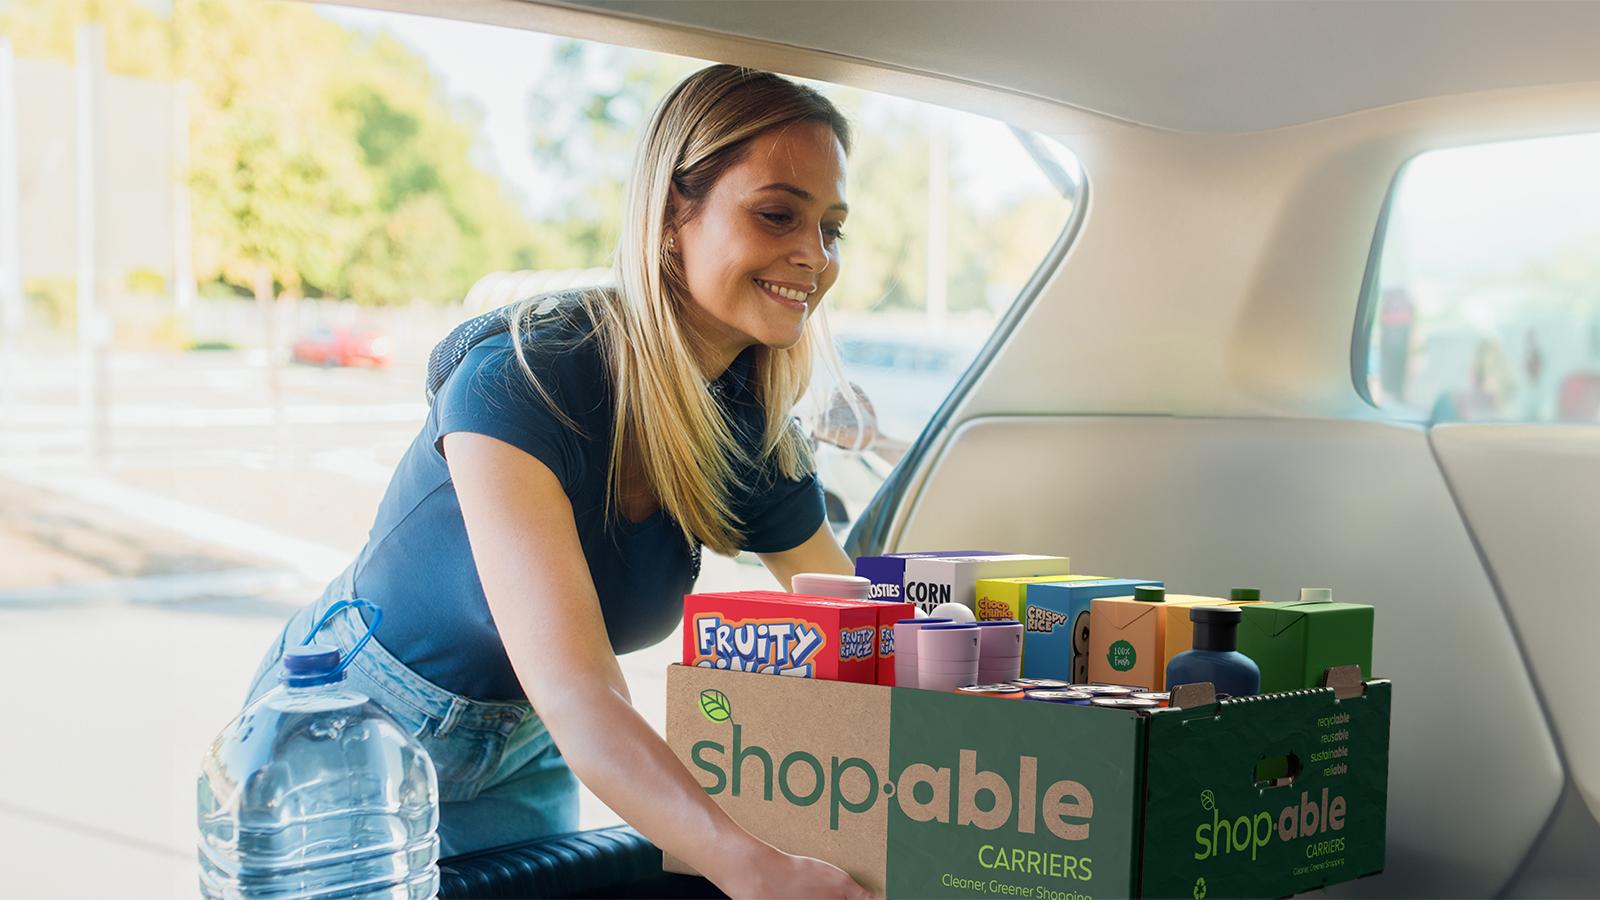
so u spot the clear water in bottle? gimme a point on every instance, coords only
(315, 792)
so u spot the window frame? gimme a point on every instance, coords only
(1367, 300)
(871, 530)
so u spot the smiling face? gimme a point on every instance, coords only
(763, 248)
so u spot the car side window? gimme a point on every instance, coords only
(1484, 303)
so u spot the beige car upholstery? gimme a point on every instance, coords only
(1280, 504)
(1531, 494)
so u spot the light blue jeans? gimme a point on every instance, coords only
(501, 778)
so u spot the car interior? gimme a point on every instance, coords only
(1184, 390)
(1174, 394)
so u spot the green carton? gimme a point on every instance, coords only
(927, 794)
(1294, 643)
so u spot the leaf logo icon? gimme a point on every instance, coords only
(714, 706)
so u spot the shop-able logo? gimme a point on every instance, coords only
(1252, 833)
(924, 792)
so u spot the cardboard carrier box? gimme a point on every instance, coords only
(929, 794)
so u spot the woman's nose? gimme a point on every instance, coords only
(810, 251)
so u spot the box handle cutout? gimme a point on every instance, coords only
(1277, 771)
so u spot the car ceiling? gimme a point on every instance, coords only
(1208, 66)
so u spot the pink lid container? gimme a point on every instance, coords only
(1000, 639)
(956, 642)
(819, 584)
(947, 656)
(905, 649)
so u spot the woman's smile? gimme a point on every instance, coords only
(784, 296)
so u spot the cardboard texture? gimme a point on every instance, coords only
(1294, 643)
(931, 581)
(929, 794)
(1055, 625)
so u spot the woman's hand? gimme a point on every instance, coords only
(773, 873)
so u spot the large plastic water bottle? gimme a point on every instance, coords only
(313, 791)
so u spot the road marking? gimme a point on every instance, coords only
(231, 583)
(310, 560)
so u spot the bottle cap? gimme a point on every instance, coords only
(1316, 595)
(311, 665)
(1216, 627)
(1245, 594)
(1216, 615)
(1145, 593)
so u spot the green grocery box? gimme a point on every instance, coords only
(926, 794)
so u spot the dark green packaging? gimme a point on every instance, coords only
(1294, 643)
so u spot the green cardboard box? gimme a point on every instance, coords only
(1294, 643)
(928, 794)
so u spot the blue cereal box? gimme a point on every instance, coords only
(1055, 628)
(888, 572)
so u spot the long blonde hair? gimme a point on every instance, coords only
(666, 423)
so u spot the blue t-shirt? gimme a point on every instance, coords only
(418, 567)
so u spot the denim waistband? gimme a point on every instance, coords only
(450, 709)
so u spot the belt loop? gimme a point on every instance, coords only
(448, 723)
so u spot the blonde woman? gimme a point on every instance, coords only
(578, 452)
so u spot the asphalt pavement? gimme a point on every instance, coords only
(138, 590)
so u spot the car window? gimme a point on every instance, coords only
(230, 232)
(1484, 304)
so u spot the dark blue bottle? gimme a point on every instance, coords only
(1216, 657)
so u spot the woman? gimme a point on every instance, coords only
(579, 450)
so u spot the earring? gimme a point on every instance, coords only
(671, 242)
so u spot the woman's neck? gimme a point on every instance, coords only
(715, 346)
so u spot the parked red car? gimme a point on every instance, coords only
(344, 347)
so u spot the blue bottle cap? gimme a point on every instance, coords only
(987, 622)
(311, 665)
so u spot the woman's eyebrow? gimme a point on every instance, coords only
(802, 194)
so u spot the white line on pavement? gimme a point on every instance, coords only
(313, 561)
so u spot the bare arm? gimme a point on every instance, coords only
(820, 553)
(525, 543)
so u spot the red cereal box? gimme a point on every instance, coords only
(888, 614)
(782, 634)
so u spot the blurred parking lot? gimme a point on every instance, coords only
(137, 593)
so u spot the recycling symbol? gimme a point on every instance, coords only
(1200, 888)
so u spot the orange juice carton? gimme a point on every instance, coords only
(782, 634)
(1127, 638)
(932, 581)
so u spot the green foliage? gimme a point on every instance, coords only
(329, 157)
(332, 159)
(54, 300)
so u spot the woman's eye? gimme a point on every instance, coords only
(777, 218)
(834, 233)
